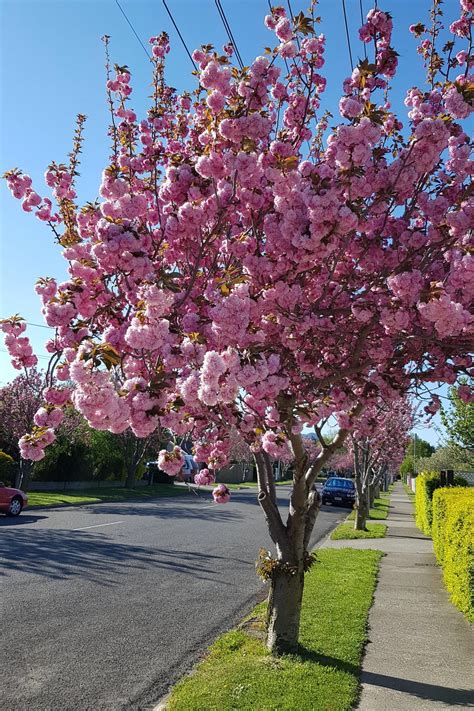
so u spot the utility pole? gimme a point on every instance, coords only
(414, 454)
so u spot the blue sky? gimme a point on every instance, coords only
(52, 69)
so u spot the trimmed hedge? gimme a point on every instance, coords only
(426, 485)
(453, 541)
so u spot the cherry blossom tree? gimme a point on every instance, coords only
(378, 443)
(244, 269)
(19, 402)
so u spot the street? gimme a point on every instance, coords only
(105, 606)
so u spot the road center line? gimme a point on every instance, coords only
(114, 523)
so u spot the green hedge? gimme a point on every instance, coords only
(426, 485)
(453, 541)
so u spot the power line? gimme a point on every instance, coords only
(3, 350)
(230, 35)
(347, 33)
(180, 35)
(132, 28)
(362, 22)
(39, 325)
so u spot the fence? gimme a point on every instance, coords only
(468, 476)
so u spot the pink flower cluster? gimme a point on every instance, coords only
(221, 494)
(276, 444)
(18, 346)
(204, 478)
(171, 462)
(49, 416)
(33, 446)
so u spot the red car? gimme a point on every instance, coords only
(12, 501)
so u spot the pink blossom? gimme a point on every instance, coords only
(221, 494)
(171, 462)
(204, 478)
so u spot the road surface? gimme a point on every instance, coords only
(103, 607)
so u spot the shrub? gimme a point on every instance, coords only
(7, 468)
(453, 541)
(426, 484)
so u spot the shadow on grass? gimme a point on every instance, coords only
(309, 655)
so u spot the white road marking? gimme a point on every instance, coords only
(114, 523)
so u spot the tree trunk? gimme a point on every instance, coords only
(24, 475)
(284, 612)
(361, 512)
(130, 480)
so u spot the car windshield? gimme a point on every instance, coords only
(340, 484)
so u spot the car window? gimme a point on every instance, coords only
(340, 484)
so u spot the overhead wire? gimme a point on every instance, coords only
(180, 35)
(362, 22)
(347, 33)
(4, 350)
(132, 28)
(229, 32)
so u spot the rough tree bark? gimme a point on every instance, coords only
(292, 540)
(23, 474)
(361, 457)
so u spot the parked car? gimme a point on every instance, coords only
(338, 491)
(12, 501)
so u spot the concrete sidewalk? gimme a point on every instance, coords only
(420, 653)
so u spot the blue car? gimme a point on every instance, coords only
(339, 491)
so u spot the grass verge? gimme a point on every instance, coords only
(239, 672)
(345, 531)
(253, 484)
(379, 511)
(94, 496)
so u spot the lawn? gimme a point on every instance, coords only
(95, 496)
(378, 511)
(345, 531)
(239, 673)
(253, 484)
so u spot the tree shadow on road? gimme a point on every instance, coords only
(24, 519)
(93, 557)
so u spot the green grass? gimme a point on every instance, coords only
(253, 484)
(379, 511)
(345, 531)
(240, 674)
(95, 496)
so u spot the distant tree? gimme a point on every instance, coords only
(458, 421)
(448, 457)
(70, 457)
(19, 401)
(377, 443)
(133, 450)
(417, 448)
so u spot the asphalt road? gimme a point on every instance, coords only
(103, 607)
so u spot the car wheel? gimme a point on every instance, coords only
(15, 507)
